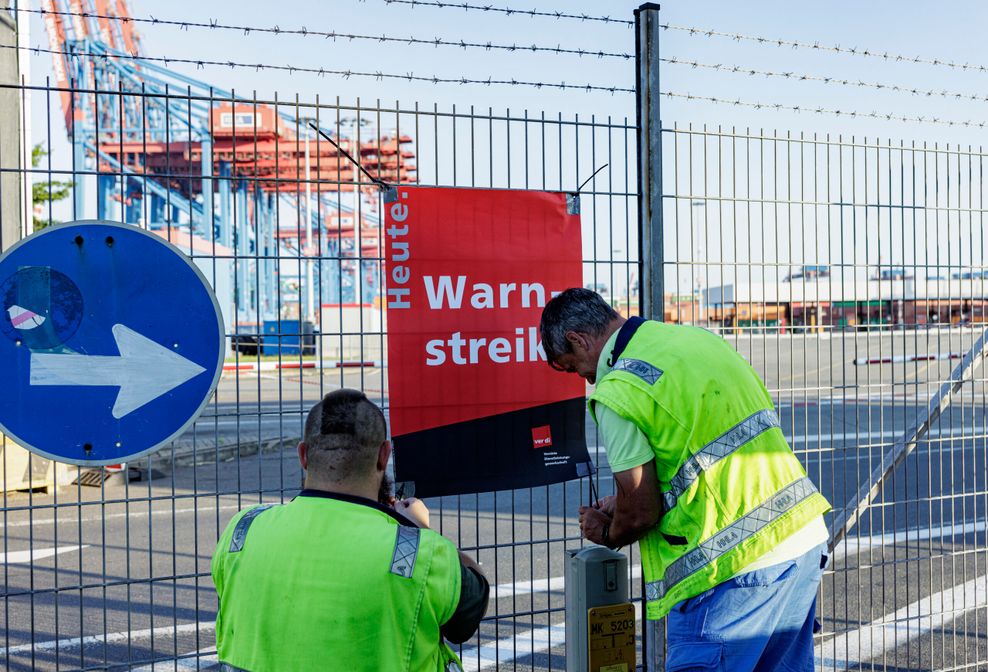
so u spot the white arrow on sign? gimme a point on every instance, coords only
(144, 370)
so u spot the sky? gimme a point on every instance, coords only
(950, 31)
(945, 32)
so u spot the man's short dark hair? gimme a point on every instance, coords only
(344, 432)
(576, 309)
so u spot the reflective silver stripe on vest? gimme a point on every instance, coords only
(226, 667)
(732, 535)
(647, 372)
(406, 549)
(716, 450)
(240, 531)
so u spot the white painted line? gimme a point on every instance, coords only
(518, 588)
(202, 658)
(19, 557)
(536, 640)
(893, 630)
(855, 545)
(124, 636)
(31, 522)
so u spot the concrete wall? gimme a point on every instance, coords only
(11, 190)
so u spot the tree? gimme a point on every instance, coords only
(46, 192)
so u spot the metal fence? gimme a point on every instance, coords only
(850, 272)
(114, 573)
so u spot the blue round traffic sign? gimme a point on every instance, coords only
(111, 342)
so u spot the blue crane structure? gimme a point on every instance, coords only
(249, 180)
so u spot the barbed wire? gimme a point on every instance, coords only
(379, 75)
(817, 46)
(215, 24)
(201, 63)
(839, 81)
(509, 11)
(886, 116)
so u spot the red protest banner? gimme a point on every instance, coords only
(473, 404)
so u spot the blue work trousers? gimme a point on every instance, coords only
(760, 621)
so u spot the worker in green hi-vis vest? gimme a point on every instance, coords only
(730, 528)
(337, 579)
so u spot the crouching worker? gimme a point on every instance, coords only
(335, 580)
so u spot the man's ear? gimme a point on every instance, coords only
(383, 455)
(303, 454)
(574, 339)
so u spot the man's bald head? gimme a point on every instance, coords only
(344, 433)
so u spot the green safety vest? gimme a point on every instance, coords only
(335, 583)
(732, 487)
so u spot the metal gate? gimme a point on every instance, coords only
(851, 274)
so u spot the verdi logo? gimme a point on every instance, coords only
(541, 437)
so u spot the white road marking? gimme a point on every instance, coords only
(18, 557)
(896, 629)
(110, 638)
(31, 522)
(540, 639)
(855, 545)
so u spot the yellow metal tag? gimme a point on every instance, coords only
(611, 638)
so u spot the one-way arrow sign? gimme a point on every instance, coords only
(143, 371)
(111, 342)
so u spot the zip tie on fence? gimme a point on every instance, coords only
(346, 74)
(816, 46)
(509, 11)
(214, 24)
(885, 116)
(580, 188)
(382, 185)
(838, 81)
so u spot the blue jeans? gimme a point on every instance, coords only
(761, 621)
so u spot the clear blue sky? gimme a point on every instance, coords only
(948, 30)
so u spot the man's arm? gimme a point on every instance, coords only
(474, 588)
(637, 508)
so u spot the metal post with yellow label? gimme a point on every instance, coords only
(611, 638)
(596, 586)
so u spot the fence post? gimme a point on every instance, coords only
(651, 273)
(651, 284)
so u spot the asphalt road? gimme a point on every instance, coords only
(117, 577)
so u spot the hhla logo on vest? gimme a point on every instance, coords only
(541, 437)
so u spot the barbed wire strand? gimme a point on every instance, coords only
(201, 63)
(839, 81)
(863, 52)
(515, 47)
(510, 11)
(817, 46)
(215, 24)
(379, 75)
(886, 116)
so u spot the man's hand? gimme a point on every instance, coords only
(606, 505)
(592, 522)
(413, 509)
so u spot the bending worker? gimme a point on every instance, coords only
(731, 530)
(335, 580)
